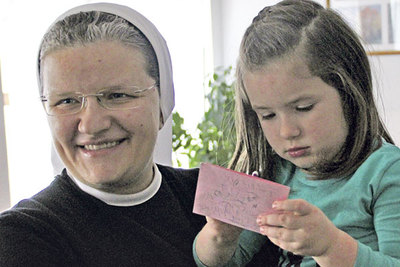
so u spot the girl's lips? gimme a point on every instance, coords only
(297, 151)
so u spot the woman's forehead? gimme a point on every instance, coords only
(96, 65)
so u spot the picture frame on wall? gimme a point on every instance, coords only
(376, 21)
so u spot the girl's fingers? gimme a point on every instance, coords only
(297, 206)
(286, 212)
(288, 220)
(278, 233)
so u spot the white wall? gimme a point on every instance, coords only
(232, 17)
(4, 186)
(387, 80)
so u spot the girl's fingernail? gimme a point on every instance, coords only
(274, 205)
(258, 220)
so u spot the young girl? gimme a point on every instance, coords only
(306, 118)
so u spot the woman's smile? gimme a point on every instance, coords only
(101, 148)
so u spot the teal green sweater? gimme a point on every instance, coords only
(365, 205)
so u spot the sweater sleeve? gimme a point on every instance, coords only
(249, 244)
(386, 212)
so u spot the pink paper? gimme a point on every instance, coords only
(235, 198)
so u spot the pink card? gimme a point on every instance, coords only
(233, 197)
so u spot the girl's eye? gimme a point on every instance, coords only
(305, 108)
(269, 116)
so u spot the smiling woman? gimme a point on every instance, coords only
(28, 138)
(105, 78)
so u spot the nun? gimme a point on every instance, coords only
(105, 81)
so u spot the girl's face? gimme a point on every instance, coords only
(301, 116)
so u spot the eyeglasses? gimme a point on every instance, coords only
(115, 98)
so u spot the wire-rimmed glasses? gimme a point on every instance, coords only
(114, 98)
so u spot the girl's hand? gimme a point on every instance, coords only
(304, 229)
(217, 242)
(222, 233)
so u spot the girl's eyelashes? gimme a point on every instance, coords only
(305, 108)
(301, 108)
(267, 116)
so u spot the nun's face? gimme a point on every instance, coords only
(111, 150)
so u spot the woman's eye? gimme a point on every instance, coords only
(66, 101)
(120, 96)
(117, 95)
(305, 108)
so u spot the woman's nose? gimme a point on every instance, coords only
(93, 117)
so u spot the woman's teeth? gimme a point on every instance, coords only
(101, 146)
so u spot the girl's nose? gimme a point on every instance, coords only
(289, 129)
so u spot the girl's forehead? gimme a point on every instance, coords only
(280, 72)
(282, 82)
(290, 64)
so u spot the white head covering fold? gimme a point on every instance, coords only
(167, 99)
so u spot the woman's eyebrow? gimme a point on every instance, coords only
(61, 94)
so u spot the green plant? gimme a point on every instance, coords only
(214, 141)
